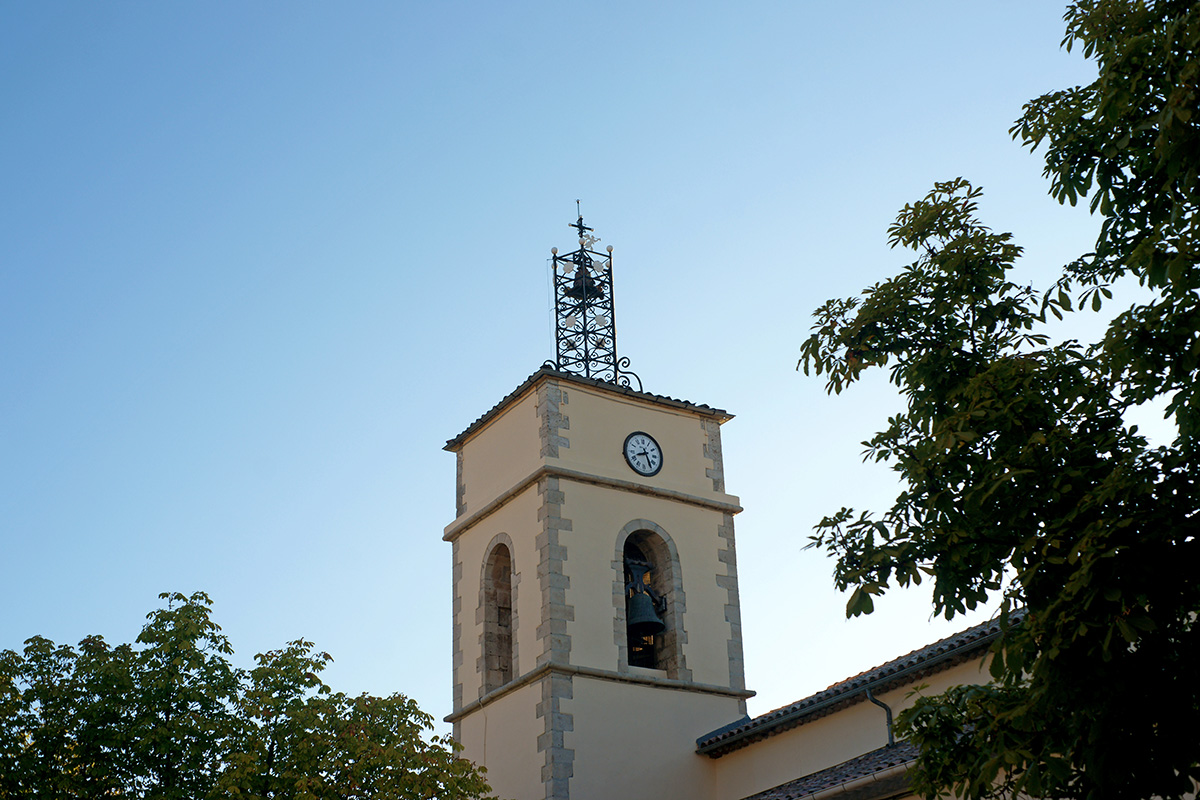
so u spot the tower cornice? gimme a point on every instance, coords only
(549, 374)
(653, 681)
(726, 504)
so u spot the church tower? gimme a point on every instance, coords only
(597, 627)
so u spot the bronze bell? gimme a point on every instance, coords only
(640, 616)
(585, 286)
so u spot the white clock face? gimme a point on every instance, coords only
(643, 454)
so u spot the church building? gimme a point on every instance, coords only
(597, 643)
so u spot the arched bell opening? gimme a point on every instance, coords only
(645, 607)
(497, 618)
(650, 601)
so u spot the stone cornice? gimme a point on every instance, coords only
(545, 374)
(455, 529)
(599, 674)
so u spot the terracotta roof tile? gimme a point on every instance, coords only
(848, 771)
(933, 658)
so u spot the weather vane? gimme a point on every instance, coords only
(585, 326)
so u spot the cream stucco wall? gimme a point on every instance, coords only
(503, 452)
(502, 736)
(639, 742)
(508, 448)
(600, 421)
(598, 514)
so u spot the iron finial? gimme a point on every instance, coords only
(585, 332)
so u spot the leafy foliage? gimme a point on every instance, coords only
(174, 719)
(1020, 476)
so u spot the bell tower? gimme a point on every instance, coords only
(597, 628)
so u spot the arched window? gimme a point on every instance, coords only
(497, 618)
(650, 613)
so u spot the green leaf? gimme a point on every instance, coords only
(860, 603)
(1175, 271)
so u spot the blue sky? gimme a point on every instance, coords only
(259, 261)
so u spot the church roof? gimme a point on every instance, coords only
(928, 660)
(548, 372)
(850, 772)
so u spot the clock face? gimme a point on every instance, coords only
(643, 454)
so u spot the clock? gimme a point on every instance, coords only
(642, 453)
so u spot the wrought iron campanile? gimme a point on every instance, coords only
(585, 326)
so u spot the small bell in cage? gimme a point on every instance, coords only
(585, 286)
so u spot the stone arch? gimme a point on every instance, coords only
(497, 613)
(667, 580)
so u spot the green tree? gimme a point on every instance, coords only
(181, 706)
(172, 718)
(300, 741)
(36, 748)
(1020, 476)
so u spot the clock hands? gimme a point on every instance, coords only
(643, 454)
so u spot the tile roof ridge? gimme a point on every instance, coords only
(952, 640)
(909, 667)
(887, 758)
